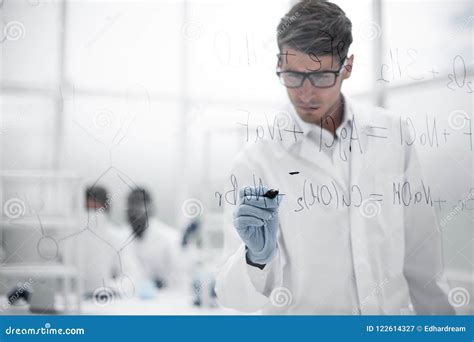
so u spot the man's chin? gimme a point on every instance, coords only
(310, 115)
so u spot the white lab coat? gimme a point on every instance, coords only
(396, 254)
(158, 252)
(102, 256)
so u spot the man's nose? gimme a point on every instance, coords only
(306, 91)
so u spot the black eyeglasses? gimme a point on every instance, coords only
(319, 79)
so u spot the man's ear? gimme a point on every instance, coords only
(347, 69)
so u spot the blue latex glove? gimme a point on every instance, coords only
(146, 290)
(256, 221)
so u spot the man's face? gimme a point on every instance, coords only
(312, 103)
(92, 204)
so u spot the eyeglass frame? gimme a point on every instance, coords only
(307, 74)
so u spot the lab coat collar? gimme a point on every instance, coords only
(351, 111)
(97, 219)
(355, 121)
(354, 115)
(306, 127)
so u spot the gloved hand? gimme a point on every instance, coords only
(256, 221)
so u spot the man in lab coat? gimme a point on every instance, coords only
(102, 259)
(153, 242)
(352, 230)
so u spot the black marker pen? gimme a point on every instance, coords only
(272, 193)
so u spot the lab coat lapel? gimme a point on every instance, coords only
(310, 152)
(360, 148)
(363, 160)
(303, 146)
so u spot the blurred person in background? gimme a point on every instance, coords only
(200, 265)
(155, 244)
(101, 243)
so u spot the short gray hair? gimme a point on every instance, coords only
(316, 27)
